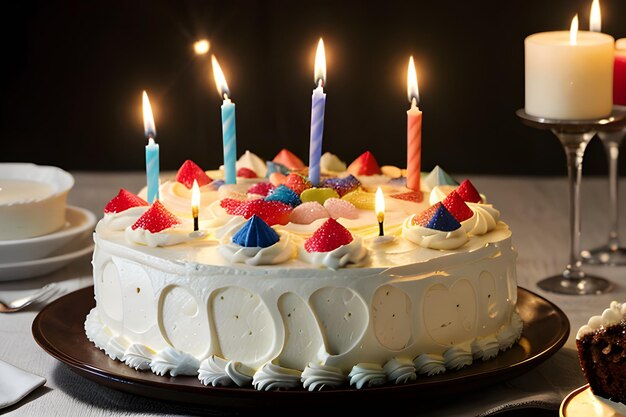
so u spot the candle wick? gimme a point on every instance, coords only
(381, 230)
(413, 102)
(225, 96)
(320, 83)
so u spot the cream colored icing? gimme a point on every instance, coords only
(351, 254)
(331, 163)
(485, 348)
(270, 377)
(508, 335)
(458, 356)
(168, 237)
(433, 239)
(429, 364)
(252, 161)
(124, 219)
(484, 220)
(138, 356)
(315, 377)
(220, 372)
(279, 252)
(400, 370)
(174, 362)
(364, 375)
(610, 316)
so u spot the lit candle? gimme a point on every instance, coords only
(195, 204)
(413, 132)
(229, 135)
(317, 115)
(595, 17)
(569, 75)
(380, 211)
(152, 151)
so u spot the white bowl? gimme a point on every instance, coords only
(37, 211)
(79, 222)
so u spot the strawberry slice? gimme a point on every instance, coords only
(297, 183)
(123, 201)
(289, 160)
(246, 173)
(365, 165)
(328, 237)
(156, 219)
(190, 171)
(272, 212)
(261, 188)
(468, 192)
(457, 207)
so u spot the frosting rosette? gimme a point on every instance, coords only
(484, 220)
(124, 219)
(333, 246)
(434, 228)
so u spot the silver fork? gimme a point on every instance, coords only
(42, 294)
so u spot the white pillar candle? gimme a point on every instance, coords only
(569, 75)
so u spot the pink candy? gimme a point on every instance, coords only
(307, 213)
(337, 208)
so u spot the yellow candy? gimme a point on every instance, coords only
(361, 199)
(318, 194)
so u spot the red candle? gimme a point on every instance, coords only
(413, 132)
(619, 73)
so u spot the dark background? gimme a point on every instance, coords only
(72, 74)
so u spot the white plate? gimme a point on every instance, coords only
(78, 223)
(29, 269)
(582, 403)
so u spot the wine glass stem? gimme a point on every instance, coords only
(612, 141)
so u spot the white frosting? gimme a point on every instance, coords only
(485, 348)
(251, 161)
(95, 331)
(315, 377)
(484, 220)
(331, 163)
(400, 370)
(353, 253)
(138, 356)
(116, 347)
(174, 362)
(508, 335)
(429, 364)
(367, 375)
(220, 372)
(279, 252)
(271, 377)
(458, 356)
(610, 316)
(433, 239)
(439, 193)
(124, 219)
(168, 237)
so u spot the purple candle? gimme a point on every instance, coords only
(318, 105)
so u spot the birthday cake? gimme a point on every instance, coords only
(286, 285)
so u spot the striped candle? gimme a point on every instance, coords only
(229, 135)
(318, 106)
(152, 151)
(413, 132)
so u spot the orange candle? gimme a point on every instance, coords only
(413, 132)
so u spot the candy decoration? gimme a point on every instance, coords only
(272, 212)
(439, 177)
(276, 167)
(457, 207)
(123, 201)
(361, 199)
(337, 208)
(246, 173)
(437, 217)
(216, 184)
(156, 219)
(328, 237)
(190, 171)
(285, 195)
(342, 185)
(364, 165)
(424, 217)
(318, 194)
(277, 178)
(398, 182)
(297, 183)
(414, 196)
(289, 160)
(255, 233)
(307, 213)
(261, 188)
(468, 192)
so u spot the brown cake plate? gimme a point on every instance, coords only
(59, 330)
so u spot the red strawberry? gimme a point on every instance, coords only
(457, 207)
(424, 217)
(414, 196)
(297, 183)
(328, 237)
(468, 192)
(189, 171)
(123, 201)
(261, 188)
(289, 160)
(246, 173)
(156, 218)
(364, 165)
(272, 212)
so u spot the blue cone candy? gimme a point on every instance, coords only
(256, 234)
(439, 177)
(442, 220)
(285, 195)
(276, 167)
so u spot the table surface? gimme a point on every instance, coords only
(535, 208)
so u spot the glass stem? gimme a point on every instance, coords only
(574, 145)
(612, 141)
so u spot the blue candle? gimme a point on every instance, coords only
(152, 151)
(318, 105)
(229, 132)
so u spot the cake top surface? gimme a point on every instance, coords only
(609, 317)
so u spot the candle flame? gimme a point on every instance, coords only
(380, 205)
(411, 84)
(148, 118)
(195, 197)
(320, 64)
(220, 80)
(573, 31)
(201, 47)
(595, 19)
